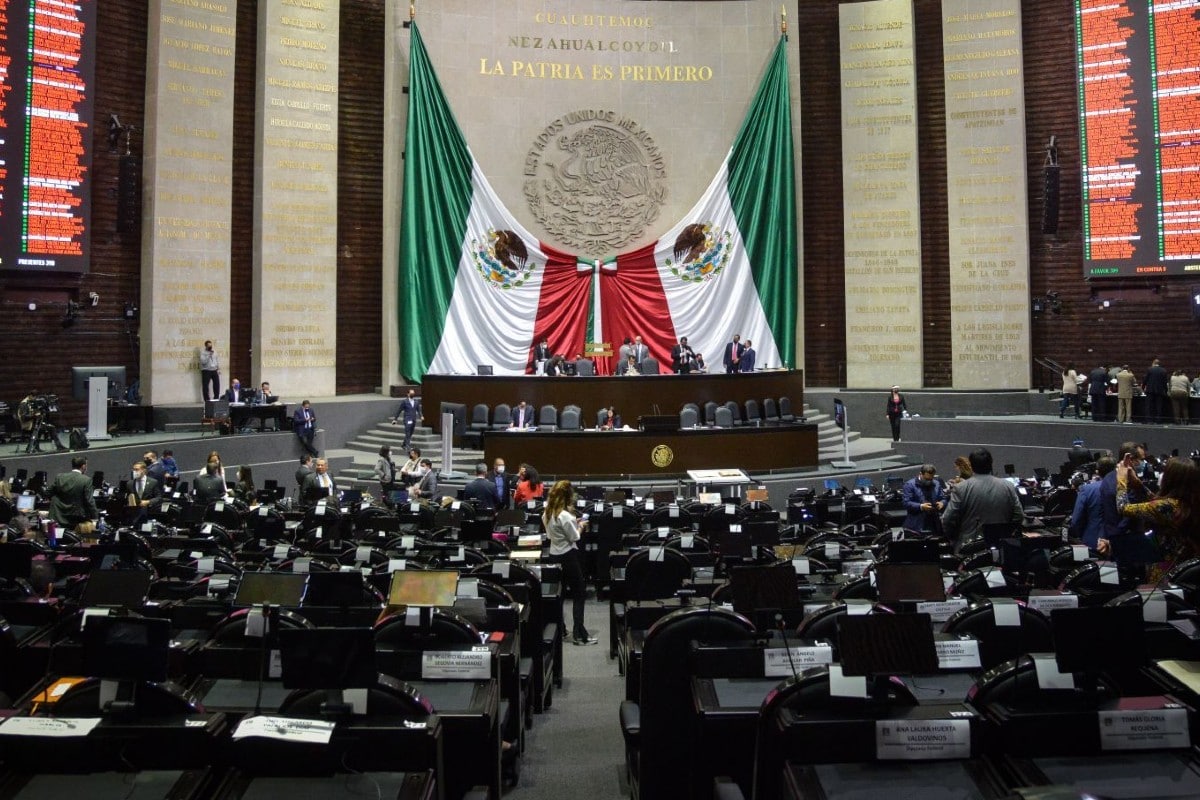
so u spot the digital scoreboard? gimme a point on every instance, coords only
(1138, 64)
(47, 62)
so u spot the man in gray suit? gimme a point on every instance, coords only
(982, 499)
(427, 487)
(71, 496)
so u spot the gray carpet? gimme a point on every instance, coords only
(575, 748)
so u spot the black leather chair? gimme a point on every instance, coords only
(807, 692)
(389, 697)
(998, 643)
(658, 738)
(445, 627)
(652, 580)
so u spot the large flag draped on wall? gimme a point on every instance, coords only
(477, 288)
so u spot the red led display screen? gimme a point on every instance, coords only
(47, 61)
(1139, 108)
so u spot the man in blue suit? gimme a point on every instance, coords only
(410, 413)
(924, 498)
(304, 423)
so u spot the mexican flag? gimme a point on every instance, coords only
(477, 288)
(729, 266)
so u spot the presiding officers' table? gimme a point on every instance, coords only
(658, 453)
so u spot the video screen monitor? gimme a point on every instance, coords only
(886, 644)
(1092, 638)
(113, 556)
(328, 658)
(126, 648)
(116, 588)
(913, 582)
(26, 503)
(764, 587)
(914, 551)
(338, 589)
(1138, 116)
(271, 588)
(425, 587)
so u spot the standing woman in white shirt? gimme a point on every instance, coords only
(563, 530)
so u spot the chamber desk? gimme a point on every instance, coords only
(1129, 776)
(394, 785)
(146, 785)
(470, 714)
(926, 780)
(727, 711)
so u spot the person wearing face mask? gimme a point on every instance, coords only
(503, 484)
(143, 490)
(924, 499)
(427, 487)
(210, 372)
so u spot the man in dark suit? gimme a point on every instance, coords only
(732, 356)
(410, 413)
(502, 484)
(541, 354)
(304, 423)
(209, 486)
(746, 362)
(481, 490)
(682, 357)
(320, 484)
(235, 394)
(522, 416)
(71, 496)
(640, 351)
(427, 487)
(156, 469)
(1097, 387)
(304, 470)
(1155, 386)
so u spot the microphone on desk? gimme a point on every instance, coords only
(787, 648)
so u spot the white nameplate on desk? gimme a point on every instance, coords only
(922, 739)
(286, 729)
(957, 653)
(943, 610)
(1152, 729)
(49, 727)
(463, 665)
(1046, 603)
(776, 663)
(801, 566)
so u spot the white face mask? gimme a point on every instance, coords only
(500, 470)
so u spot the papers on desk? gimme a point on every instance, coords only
(285, 729)
(48, 727)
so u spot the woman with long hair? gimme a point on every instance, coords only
(529, 486)
(1173, 514)
(563, 530)
(895, 410)
(244, 488)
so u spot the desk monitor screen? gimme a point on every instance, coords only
(327, 658)
(270, 588)
(116, 588)
(709, 498)
(663, 497)
(900, 582)
(113, 556)
(126, 648)
(995, 532)
(424, 587)
(191, 514)
(616, 497)
(26, 503)
(484, 369)
(886, 644)
(734, 545)
(340, 589)
(1087, 639)
(764, 587)
(351, 497)
(914, 551)
(593, 493)
(16, 561)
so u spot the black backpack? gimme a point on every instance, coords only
(78, 439)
